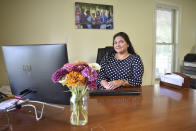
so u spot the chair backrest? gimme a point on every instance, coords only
(102, 52)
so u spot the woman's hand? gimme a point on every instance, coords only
(115, 84)
(106, 85)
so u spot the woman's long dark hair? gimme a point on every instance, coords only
(126, 38)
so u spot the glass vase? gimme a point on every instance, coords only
(79, 109)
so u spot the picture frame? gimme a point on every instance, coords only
(93, 16)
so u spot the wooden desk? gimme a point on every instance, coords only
(156, 109)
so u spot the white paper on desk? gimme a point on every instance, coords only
(173, 79)
(9, 103)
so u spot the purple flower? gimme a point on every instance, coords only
(79, 68)
(59, 74)
(68, 67)
(92, 84)
(90, 73)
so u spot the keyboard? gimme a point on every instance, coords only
(114, 92)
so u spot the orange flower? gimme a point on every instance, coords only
(74, 79)
(81, 63)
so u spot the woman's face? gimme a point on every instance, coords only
(120, 45)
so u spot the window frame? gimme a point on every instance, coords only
(174, 36)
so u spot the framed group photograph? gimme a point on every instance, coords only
(93, 16)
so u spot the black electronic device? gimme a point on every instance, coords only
(30, 67)
(114, 92)
(190, 57)
(2, 96)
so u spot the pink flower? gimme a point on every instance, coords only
(92, 84)
(60, 73)
(68, 67)
(89, 73)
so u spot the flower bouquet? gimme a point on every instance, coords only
(79, 77)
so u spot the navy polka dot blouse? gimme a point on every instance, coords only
(130, 68)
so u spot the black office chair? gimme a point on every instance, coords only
(102, 52)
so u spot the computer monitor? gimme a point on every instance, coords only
(31, 67)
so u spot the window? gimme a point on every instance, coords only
(165, 40)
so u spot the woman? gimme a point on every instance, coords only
(121, 68)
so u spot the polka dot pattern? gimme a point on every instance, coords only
(130, 68)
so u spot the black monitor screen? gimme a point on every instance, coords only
(31, 67)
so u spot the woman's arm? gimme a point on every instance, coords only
(135, 78)
(102, 76)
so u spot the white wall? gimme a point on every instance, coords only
(52, 21)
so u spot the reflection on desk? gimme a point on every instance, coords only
(155, 109)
